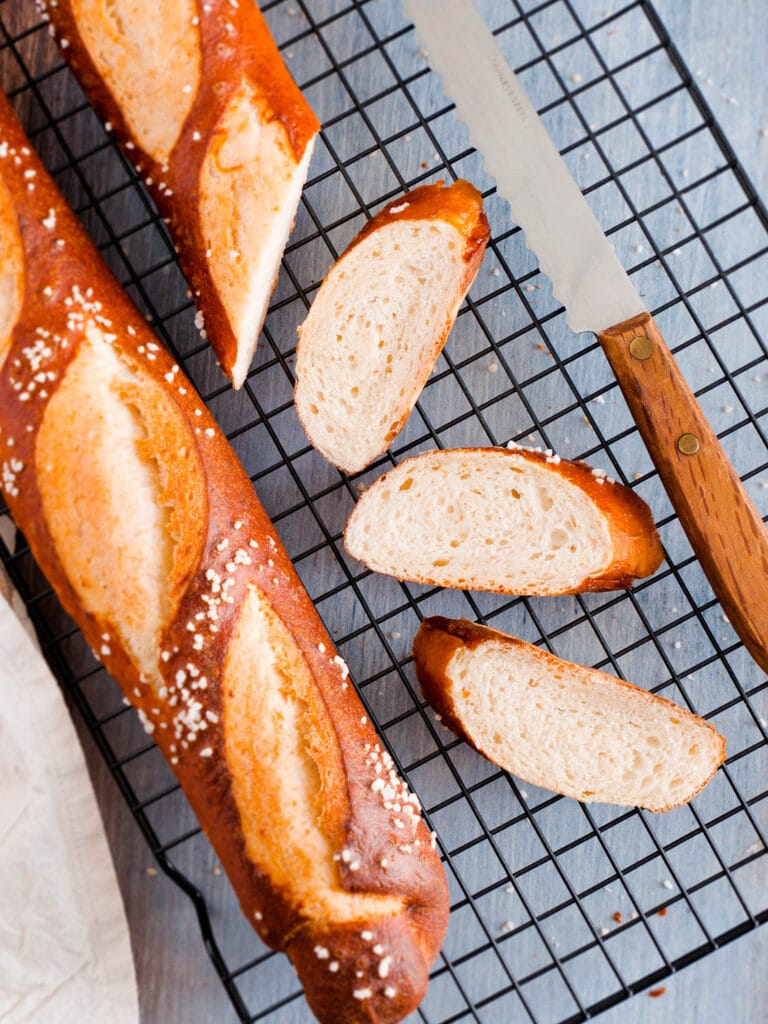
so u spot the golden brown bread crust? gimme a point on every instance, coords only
(219, 550)
(437, 640)
(231, 55)
(459, 203)
(435, 643)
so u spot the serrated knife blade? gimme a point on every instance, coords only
(545, 201)
(725, 529)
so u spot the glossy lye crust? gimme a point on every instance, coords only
(361, 927)
(230, 56)
(459, 203)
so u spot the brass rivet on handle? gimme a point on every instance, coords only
(641, 347)
(688, 444)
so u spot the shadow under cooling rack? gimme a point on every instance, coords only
(558, 909)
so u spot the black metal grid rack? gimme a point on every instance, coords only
(558, 909)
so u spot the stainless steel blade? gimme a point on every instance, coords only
(530, 174)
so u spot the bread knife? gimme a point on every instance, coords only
(723, 525)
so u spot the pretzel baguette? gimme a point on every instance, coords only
(146, 525)
(200, 100)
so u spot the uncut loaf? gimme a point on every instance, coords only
(141, 517)
(199, 98)
(381, 318)
(510, 520)
(571, 729)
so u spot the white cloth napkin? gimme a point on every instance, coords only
(65, 953)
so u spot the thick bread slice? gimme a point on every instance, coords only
(199, 97)
(514, 521)
(381, 318)
(564, 727)
(147, 527)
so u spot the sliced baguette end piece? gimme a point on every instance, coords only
(567, 728)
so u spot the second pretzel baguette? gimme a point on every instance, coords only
(147, 527)
(199, 98)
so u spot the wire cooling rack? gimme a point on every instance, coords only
(558, 910)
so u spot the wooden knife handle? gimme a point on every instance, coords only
(723, 526)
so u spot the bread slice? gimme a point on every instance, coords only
(514, 521)
(381, 318)
(564, 727)
(207, 112)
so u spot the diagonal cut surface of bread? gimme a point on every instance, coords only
(513, 521)
(381, 318)
(567, 728)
